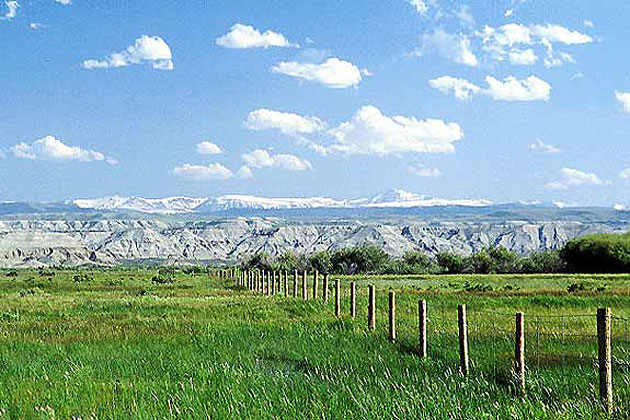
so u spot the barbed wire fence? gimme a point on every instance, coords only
(578, 355)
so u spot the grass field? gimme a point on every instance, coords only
(113, 344)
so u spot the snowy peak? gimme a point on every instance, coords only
(394, 198)
(168, 205)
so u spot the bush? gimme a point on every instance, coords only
(543, 262)
(600, 253)
(321, 261)
(450, 263)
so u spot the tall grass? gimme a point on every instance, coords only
(117, 345)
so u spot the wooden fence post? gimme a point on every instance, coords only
(272, 281)
(353, 299)
(519, 353)
(325, 289)
(315, 284)
(371, 308)
(337, 296)
(286, 284)
(304, 291)
(463, 339)
(295, 284)
(422, 328)
(392, 315)
(604, 355)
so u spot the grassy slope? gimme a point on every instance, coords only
(120, 346)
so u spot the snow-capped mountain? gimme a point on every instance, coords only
(394, 198)
(169, 205)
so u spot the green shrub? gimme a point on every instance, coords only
(600, 253)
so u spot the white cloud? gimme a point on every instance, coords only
(453, 47)
(570, 177)
(208, 148)
(261, 158)
(371, 132)
(420, 6)
(212, 171)
(624, 100)
(560, 34)
(462, 88)
(51, 148)
(509, 89)
(501, 42)
(424, 171)
(146, 49)
(36, 25)
(589, 23)
(508, 13)
(64, 2)
(625, 173)
(244, 36)
(523, 57)
(539, 145)
(620, 207)
(244, 173)
(288, 123)
(334, 73)
(12, 7)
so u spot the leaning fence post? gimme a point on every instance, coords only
(463, 339)
(295, 284)
(519, 353)
(353, 299)
(304, 291)
(604, 355)
(422, 328)
(371, 308)
(337, 296)
(392, 315)
(325, 288)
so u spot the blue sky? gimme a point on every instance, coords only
(513, 100)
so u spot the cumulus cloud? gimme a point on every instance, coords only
(540, 146)
(453, 47)
(505, 41)
(244, 37)
(371, 132)
(624, 99)
(288, 123)
(208, 148)
(625, 173)
(523, 57)
(462, 88)
(509, 89)
(212, 171)
(152, 50)
(64, 2)
(420, 6)
(51, 148)
(423, 171)
(589, 23)
(261, 158)
(244, 173)
(334, 73)
(570, 177)
(12, 8)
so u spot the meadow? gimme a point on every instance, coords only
(105, 344)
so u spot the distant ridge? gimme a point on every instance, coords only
(394, 198)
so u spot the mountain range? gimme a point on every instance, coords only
(181, 230)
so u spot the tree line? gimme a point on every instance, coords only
(600, 253)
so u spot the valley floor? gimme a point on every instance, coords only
(105, 344)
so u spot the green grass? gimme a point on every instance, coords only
(119, 346)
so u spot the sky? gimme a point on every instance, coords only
(504, 100)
